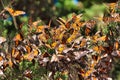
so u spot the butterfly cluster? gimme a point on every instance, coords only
(77, 48)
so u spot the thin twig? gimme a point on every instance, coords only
(14, 19)
(3, 7)
(2, 11)
(2, 3)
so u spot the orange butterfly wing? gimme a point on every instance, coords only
(13, 12)
(17, 13)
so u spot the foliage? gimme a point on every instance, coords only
(83, 47)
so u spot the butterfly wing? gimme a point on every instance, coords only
(17, 13)
(13, 12)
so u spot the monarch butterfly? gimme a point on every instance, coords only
(112, 7)
(28, 73)
(1, 60)
(116, 45)
(87, 31)
(18, 37)
(83, 43)
(2, 39)
(16, 54)
(13, 12)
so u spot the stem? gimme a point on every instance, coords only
(14, 21)
(3, 7)
(2, 4)
(2, 11)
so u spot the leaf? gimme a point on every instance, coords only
(13, 12)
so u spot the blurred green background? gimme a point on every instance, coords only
(47, 10)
